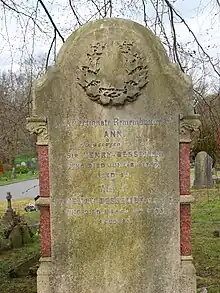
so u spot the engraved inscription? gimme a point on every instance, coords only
(113, 165)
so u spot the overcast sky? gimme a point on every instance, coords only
(17, 41)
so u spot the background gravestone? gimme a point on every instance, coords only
(203, 171)
(112, 105)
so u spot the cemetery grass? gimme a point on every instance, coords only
(13, 258)
(5, 180)
(18, 206)
(206, 247)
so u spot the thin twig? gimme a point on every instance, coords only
(99, 10)
(194, 36)
(145, 12)
(51, 46)
(174, 39)
(51, 20)
(110, 8)
(74, 12)
(22, 13)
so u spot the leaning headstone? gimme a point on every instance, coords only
(112, 106)
(26, 234)
(15, 237)
(5, 244)
(203, 171)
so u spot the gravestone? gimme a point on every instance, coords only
(111, 107)
(15, 237)
(13, 173)
(9, 213)
(203, 171)
(26, 234)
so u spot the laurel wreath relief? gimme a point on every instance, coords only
(135, 79)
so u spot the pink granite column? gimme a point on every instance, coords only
(185, 221)
(188, 125)
(45, 231)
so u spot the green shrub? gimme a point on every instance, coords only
(22, 169)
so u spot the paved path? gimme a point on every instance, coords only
(24, 189)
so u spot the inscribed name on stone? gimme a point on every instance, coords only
(112, 105)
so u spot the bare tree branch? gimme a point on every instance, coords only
(51, 20)
(145, 12)
(51, 46)
(175, 51)
(110, 8)
(162, 27)
(98, 9)
(194, 36)
(97, 12)
(74, 12)
(22, 13)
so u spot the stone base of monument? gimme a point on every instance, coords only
(43, 275)
(188, 275)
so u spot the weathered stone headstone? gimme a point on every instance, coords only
(26, 234)
(203, 171)
(15, 237)
(112, 108)
(5, 244)
(13, 173)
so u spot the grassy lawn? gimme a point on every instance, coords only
(11, 259)
(18, 206)
(205, 247)
(20, 177)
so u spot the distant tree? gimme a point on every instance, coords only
(15, 98)
(208, 138)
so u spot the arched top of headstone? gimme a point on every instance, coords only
(115, 62)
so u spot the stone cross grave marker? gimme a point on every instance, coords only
(203, 171)
(9, 213)
(9, 198)
(111, 118)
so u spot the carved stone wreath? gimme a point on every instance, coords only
(90, 76)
